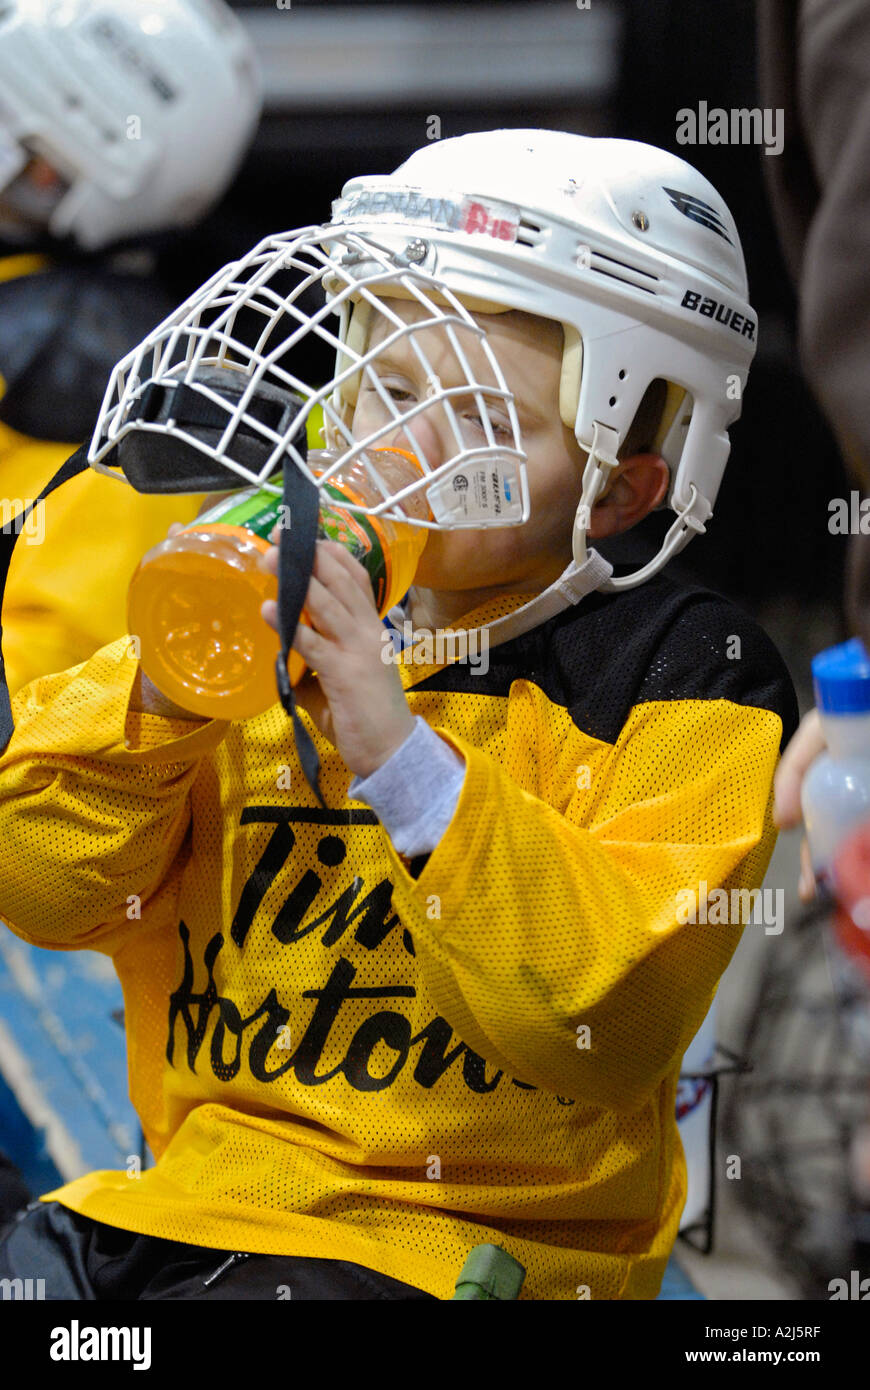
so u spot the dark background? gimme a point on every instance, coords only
(642, 62)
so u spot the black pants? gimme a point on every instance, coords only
(89, 1261)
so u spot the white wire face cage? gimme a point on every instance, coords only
(228, 375)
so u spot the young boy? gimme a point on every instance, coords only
(451, 1011)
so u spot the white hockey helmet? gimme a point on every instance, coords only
(631, 250)
(625, 245)
(143, 108)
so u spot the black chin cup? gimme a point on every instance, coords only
(156, 461)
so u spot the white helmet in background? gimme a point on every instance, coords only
(629, 248)
(142, 109)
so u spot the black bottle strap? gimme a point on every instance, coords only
(74, 465)
(295, 565)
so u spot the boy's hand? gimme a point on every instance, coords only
(356, 699)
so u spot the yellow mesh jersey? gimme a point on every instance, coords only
(66, 595)
(336, 1053)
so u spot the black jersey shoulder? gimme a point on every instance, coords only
(659, 641)
(62, 330)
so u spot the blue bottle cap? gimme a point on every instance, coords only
(841, 679)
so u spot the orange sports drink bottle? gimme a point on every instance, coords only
(194, 600)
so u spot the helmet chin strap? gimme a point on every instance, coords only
(599, 467)
(689, 522)
(589, 571)
(573, 584)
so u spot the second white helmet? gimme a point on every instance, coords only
(142, 108)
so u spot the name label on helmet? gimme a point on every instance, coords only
(474, 216)
(722, 313)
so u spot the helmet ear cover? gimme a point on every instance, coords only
(673, 400)
(355, 338)
(572, 367)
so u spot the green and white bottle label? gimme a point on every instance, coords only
(258, 510)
